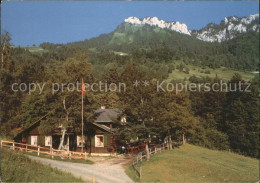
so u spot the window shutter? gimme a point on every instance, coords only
(86, 140)
(93, 141)
(29, 140)
(38, 140)
(105, 140)
(42, 141)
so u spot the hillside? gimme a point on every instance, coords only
(191, 163)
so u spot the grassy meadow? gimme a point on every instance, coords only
(190, 163)
(16, 167)
(222, 72)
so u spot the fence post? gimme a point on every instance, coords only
(51, 152)
(155, 150)
(13, 146)
(93, 179)
(38, 151)
(140, 172)
(68, 151)
(1, 143)
(25, 147)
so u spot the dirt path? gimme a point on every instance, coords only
(105, 170)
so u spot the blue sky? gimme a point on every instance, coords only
(31, 22)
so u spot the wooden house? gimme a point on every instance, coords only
(100, 141)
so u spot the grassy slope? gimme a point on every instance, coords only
(223, 73)
(15, 167)
(191, 163)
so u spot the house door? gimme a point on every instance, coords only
(56, 141)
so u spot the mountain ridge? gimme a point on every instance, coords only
(225, 30)
(175, 26)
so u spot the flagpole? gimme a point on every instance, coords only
(82, 119)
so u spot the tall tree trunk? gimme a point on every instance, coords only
(147, 152)
(64, 127)
(183, 138)
(62, 138)
(170, 140)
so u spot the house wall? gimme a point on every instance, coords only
(90, 144)
(108, 146)
(90, 141)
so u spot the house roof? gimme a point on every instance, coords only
(103, 127)
(102, 116)
(32, 124)
(106, 115)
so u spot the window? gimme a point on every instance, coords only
(123, 119)
(34, 140)
(80, 142)
(99, 141)
(48, 141)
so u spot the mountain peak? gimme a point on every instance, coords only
(244, 20)
(154, 21)
(227, 29)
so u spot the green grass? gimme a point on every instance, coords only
(132, 173)
(191, 163)
(59, 158)
(34, 49)
(223, 73)
(16, 167)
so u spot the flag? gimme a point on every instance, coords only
(83, 87)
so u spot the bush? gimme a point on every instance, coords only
(187, 70)
(216, 139)
(210, 138)
(207, 72)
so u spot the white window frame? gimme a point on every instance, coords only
(46, 141)
(33, 137)
(123, 119)
(60, 125)
(96, 137)
(78, 141)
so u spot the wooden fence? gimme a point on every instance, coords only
(139, 157)
(43, 150)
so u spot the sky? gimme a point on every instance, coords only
(31, 22)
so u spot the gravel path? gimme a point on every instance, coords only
(105, 170)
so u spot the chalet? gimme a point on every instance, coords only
(100, 140)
